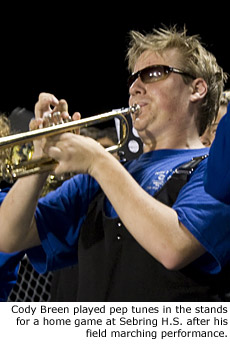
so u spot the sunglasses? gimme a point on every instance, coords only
(155, 73)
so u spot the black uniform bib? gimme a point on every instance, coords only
(114, 267)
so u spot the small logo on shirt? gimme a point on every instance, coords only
(158, 181)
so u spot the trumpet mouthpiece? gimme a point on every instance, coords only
(135, 108)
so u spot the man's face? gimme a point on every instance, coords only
(165, 103)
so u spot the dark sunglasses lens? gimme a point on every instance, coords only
(149, 74)
(152, 74)
(132, 79)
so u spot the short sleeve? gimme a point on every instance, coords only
(217, 175)
(206, 218)
(59, 217)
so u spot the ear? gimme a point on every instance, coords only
(199, 89)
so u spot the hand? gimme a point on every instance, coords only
(75, 153)
(48, 104)
(48, 111)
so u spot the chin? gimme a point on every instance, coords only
(140, 128)
(139, 124)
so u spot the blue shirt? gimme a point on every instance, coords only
(9, 265)
(60, 214)
(217, 176)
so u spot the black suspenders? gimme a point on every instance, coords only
(170, 190)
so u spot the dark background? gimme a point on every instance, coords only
(78, 51)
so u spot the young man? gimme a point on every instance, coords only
(217, 182)
(9, 265)
(208, 136)
(130, 246)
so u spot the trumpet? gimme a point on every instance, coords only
(9, 172)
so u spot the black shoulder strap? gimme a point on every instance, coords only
(169, 192)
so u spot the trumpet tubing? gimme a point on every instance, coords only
(9, 172)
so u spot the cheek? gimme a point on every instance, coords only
(176, 104)
(164, 102)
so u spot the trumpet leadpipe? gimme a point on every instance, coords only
(17, 139)
(10, 172)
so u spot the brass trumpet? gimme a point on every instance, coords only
(10, 172)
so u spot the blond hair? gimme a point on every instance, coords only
(4, 131)
(225, 98)
(4, 125)
(194, 60)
